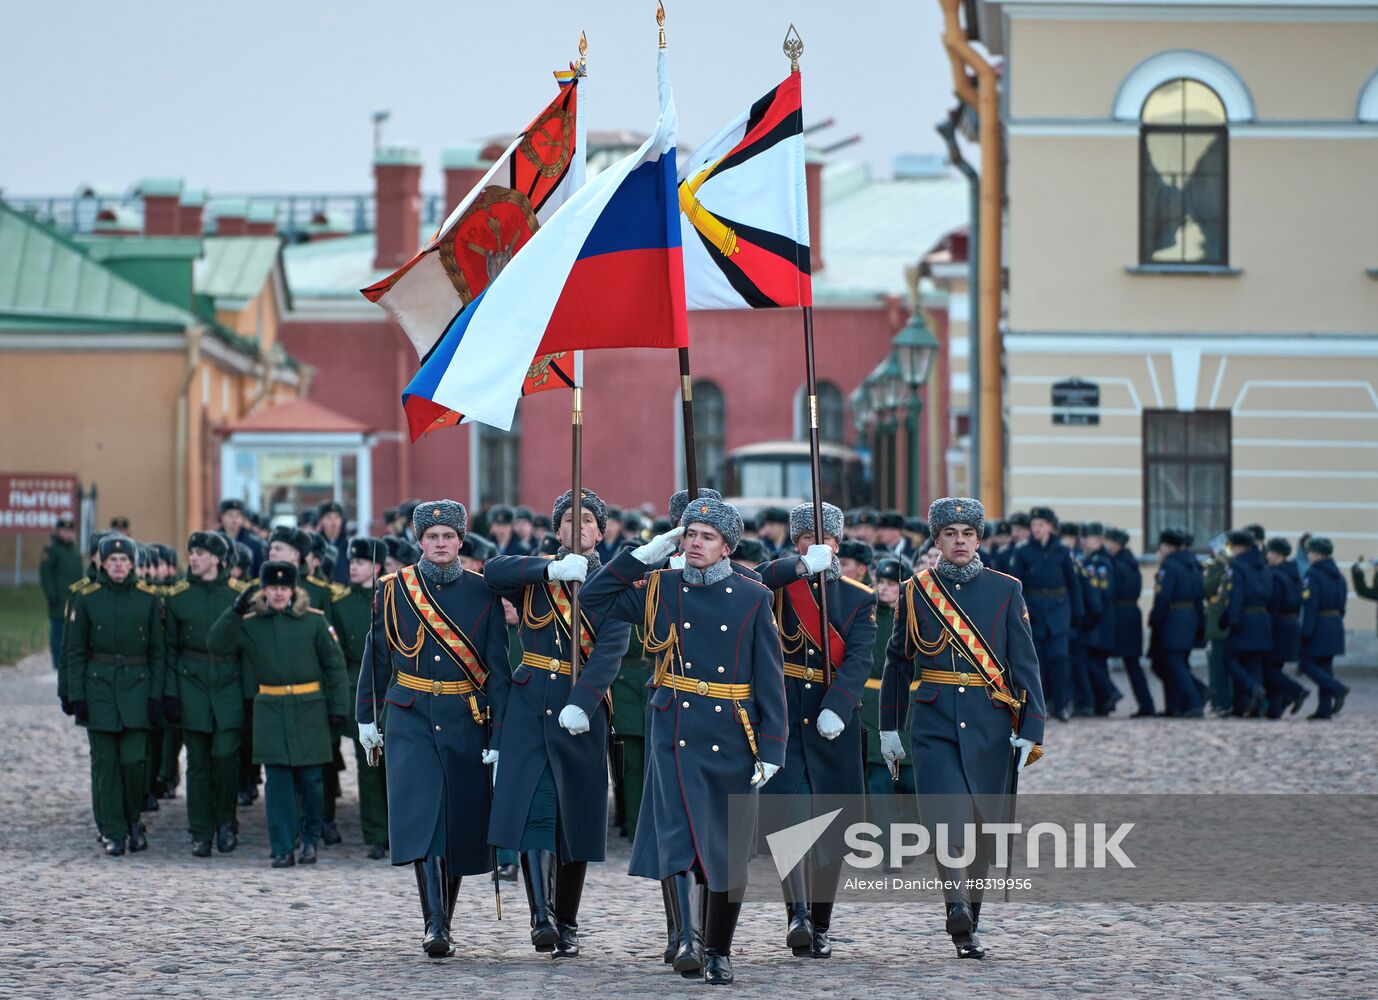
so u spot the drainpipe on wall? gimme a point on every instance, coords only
(181, 460)
(948, 130)
(983, 98)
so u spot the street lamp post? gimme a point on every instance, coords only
(887, 388)
(912, 350)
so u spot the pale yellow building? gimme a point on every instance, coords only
(1190, 238)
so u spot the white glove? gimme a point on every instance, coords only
(369, 737)
(816, 559)
(678, 561)
(490, 756)
(659, 548)
(574, 720)
(890, 746)
(830, 724)
(570, 567)
(764, 772)
(1023, 746)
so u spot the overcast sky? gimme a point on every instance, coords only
(252, 96)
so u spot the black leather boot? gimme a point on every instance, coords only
(671, 931)
(226, 838)
(138, 839)
(799, 925)
(538, 867)
(721, 925)
(961, 924)
(430, 882)
(822, 914)
(688, 959)
(201, 849)
(569, 887)
(115, 847)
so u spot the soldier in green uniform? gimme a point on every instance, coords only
(294, 671)
(317, 570)
(210, 689)
(169, 749)
(1216, 580)
(352, 610)
(114, 662)
(890, 573)
(61, 567)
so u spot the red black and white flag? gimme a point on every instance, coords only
(744, 215)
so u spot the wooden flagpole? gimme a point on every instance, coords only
(794, 48)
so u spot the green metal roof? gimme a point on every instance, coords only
(103, 248)
(160, 186)
(236, 267)
(48, 281)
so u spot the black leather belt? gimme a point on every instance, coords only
(1047, 592)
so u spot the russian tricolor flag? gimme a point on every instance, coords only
(605, 271)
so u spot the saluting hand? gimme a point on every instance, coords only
(241, 603)
(659, 548)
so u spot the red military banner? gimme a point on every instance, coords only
(33, 501)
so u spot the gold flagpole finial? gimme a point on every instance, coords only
(660, 21)
(794, 48)
(583, 54)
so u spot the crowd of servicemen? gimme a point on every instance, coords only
(276, 644)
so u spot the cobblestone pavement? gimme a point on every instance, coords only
(75, 923)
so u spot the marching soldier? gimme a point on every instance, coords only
(1246, 616)
(1099, 636)
(352, 611)
(294, 672)
(855, 559)
(1053, 593)
(1368, 591)
(1322, 626)
(1177, 620)
(114, 662)
(825, 752)
(718, 726)
(437, 657)
(1126, 584)
(551, 796)
(318, 571)
(1284, 608)
(62, 566)
(1019, 534)
(1215, 578)
(962, 632)
(210, 689)
(891, 572)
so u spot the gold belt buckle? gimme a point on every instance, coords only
(554, 664)
(288, 687)
(437, 687)
(701, 687)
(808, 673)
(964, 678)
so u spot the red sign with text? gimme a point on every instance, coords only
(35, 501)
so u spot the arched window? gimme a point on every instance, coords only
(1183, 176)
(831, 416)
(710, 432)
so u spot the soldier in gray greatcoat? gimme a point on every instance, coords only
(436, 661)
(962, 633)
(550, 799)
(717, 720)
(825, 754)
